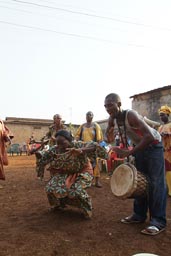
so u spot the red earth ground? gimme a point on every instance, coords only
(28, 228)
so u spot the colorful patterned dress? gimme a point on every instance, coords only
(71, 175)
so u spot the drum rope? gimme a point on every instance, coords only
(124, 140)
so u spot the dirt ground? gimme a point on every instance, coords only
(27, 227)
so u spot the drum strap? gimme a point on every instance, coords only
(124, 140)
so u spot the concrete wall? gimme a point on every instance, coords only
(148, 103)
(23, 128)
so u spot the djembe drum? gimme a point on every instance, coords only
(127, 182)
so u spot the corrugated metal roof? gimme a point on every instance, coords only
(18, 119)
(155, 90)
(30, 121)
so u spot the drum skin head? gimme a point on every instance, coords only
(145, 254)
(122, 181)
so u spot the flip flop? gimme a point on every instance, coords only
(152, 230)
(130, 220)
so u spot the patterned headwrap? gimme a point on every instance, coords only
(165, 109)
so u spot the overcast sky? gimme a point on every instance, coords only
(65, 56)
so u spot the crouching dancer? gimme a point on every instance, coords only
(71, 171)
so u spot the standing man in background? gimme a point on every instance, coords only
(54, 128)
(87, 132)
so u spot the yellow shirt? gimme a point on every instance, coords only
(86, 134)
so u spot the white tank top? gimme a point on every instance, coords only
(135, 135)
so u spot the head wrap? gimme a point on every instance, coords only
(165, 109)
(67, 135)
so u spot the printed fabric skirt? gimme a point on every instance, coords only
(60, 194)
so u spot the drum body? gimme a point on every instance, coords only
(127, 182)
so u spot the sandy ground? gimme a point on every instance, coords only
(28, 228)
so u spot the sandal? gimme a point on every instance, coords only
(131, 219)
(152, 230)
